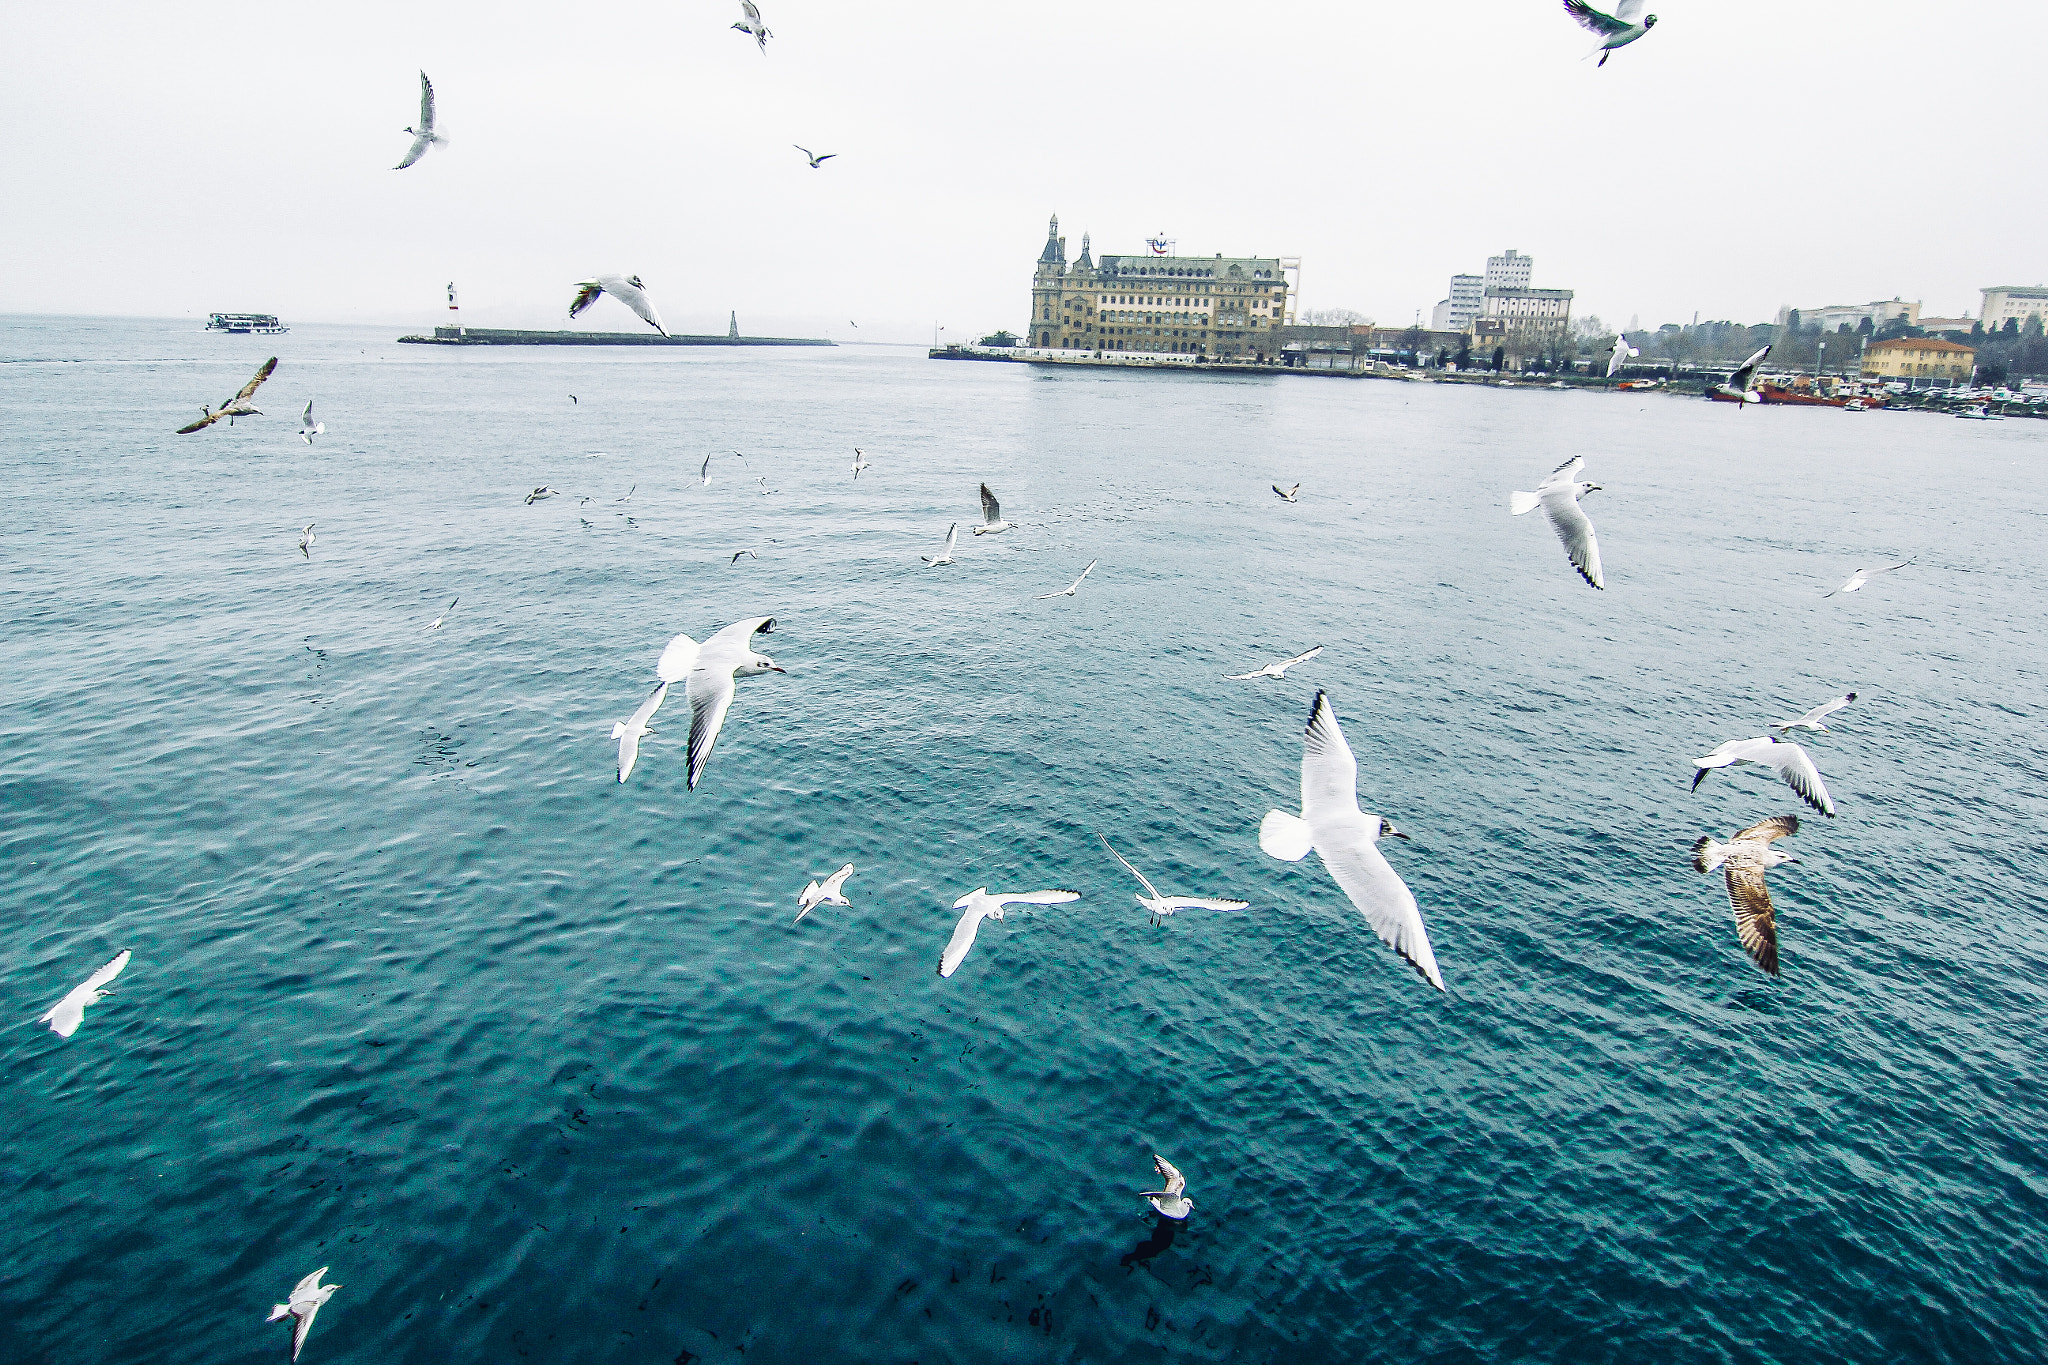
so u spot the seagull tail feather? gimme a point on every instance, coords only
(1519, 503)
(618, 728)
(1285, 836)
(1706, 855)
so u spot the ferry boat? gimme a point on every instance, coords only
(262, 324)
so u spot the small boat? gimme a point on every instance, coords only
(1981, 413)
(1855, 405)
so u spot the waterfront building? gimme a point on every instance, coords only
(1919, 359)
(2016, 301)
(1455, 313)
(1510, 271)
(1532, 319)
(1228, 307)
(1946, 326)
(1835, 316)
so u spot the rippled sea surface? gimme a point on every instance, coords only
(542, 1068)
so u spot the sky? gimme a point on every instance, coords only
(171, 161)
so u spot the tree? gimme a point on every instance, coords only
(1411, 341)
(1334, 317)
(1464, 353)
(1792, 320)
(1865, 327)
(1500, 354)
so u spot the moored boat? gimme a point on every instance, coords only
(262, 324)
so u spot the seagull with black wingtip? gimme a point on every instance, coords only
(1558, 495)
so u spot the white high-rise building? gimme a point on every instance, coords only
(1455, 314)
(1510, 271)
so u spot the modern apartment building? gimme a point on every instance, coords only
(2015, 301)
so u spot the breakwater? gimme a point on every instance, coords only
(500, 336)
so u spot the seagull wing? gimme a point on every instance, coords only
(1201, 903)
(1777, 827)
(199, 425)
(705, 473)
(416, 151)
(1175, 1181)
(305, 1325)
(629, 736)
(710, 696)
(426, 106)
(1299, 659)
(1747, 371)
(678, 658)
(1150, 889)
(248, 390)
(991, 510)
(1795, 765)
(308, 1286)
(740, 634)
(1329, 772)
(1593, 20)
(821, 160)
(751, 10)
(1084, 574)
(1569, 520)
(586, 294)
(1826, 709)
(1564, 473)
(635, 298)
(108, 972)
(1755, 922)
(307, 420)
(963, 938)
(1037, 898)
(837, 880)
(1355, 860)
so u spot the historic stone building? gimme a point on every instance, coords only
(1225, 307)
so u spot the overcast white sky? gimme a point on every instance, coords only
(172, 160)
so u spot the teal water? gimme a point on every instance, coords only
(540, 1066)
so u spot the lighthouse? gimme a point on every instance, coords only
(454, 311)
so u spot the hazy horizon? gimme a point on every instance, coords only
(223, 157)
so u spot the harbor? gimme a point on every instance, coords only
(504, 336)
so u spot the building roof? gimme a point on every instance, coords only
(1917, 344)
(2025, 291)
(1195, 267)
(1507, 291)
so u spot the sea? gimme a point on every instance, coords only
(543, 1067)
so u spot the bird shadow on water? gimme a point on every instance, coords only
(1164, 1230)
(1757, 1000)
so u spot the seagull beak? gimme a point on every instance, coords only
(1398, 834)
(777, 669)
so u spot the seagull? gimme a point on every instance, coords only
(1068, 591)
(860, 462)
(1745, 858)
(1791, 762)
(627, 289)
(1862, 576)
(1277, 669)
(306, 539)
(737, 553)
(1813, 721)
(826, 892)
(542, 492)
(1163, 906)
(629, 494)
(945, 556)
(1169, 1202)
(628, 731)
(765, 489)
(1737, 388)
(1287, 494)
(423, 136)
(1348, 840)
(1622, 351)
(238, 406)
(67, 1014)
(704, 474)
(751, 24)
(991, 515)
(816, 161)
(308, 428)
(980, 905)
(435, 624)
(574, 399)
(306, 1297)
(1559, 497)
(710, 671)
(1616, 30)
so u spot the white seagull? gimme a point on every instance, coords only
(1787, 759)
(1746, 857)
(628, 731)
(304, 1304)
(423, 136)
(67, 1014)
(751, 25)
(1277, 669)
(1163, 906)
(308, 428)
(306, 539)
(945, 556)
(1170, 1202)
(1861, 576)
(815, 160)
(1616, 30)
(1737, 388)
(1070, 589)
(627, 289)
(737, 553)
(827, 892)
(1559, 495)
(1814, 721)
(1622, 351)
(704, 474)
(860, 462)
(1288, 494)
(435, 624)
(1348, 840)
(541, 493)
(979, 905)
(238, 406)
(709, 672)
(991, 515)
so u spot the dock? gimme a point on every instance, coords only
(501, 336)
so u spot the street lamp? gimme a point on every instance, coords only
(1821, 361)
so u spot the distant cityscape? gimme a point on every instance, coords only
(1243, 309)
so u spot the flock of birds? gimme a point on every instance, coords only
(1329, 822)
